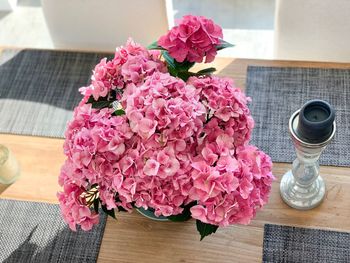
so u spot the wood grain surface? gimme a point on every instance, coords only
(133, 238)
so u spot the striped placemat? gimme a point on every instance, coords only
(39, 89)
(277, 92)
(294, 244)
(36, 232)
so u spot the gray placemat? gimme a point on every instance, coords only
(277, 92)
(293, 244)
(8, 54)
(39, 89)
(36, 232)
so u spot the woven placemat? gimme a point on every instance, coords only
(294, 244)
(39, 89)
(36, 232)
(278, 92)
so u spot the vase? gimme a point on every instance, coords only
(149, 213)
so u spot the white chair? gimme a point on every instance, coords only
(104, 24)
(7, 5)
(312, 30)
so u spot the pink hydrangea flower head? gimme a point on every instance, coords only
(131, 64)
(163, 104)
(74, 210)
(194, 38)
(231, 191)
(227, 107)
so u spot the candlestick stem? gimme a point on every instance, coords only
(303, 187)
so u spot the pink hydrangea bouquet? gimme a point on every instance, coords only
(151, 134)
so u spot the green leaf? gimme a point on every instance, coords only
(169, 60)
(111, 212)
(100, 104)
(178, 69)
(223, 44)
(155, 45)
(186, 214)
(119, 112)
(96, 205)
(91, 99)
(172, 71)
(205, 229)
(120, 208)
(206, 71)
(183, 66)
(184, 75)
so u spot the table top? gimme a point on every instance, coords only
(134, 238)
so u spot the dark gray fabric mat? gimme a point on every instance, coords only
(278, 92)
(36, 232)
(39, 89)
(8, 54)
(293, 244)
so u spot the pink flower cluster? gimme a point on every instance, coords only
(165, 115)
(177, 143)
(230, 191)
(94, 142)
(194, 38)
(74, 209)
(131, 64)
(226, 106)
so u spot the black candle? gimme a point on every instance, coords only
(316, 119)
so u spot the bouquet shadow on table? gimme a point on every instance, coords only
(25, 251)
(38, 243)
(30, 251)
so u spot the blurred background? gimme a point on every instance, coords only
(263, 29)
(246, 23)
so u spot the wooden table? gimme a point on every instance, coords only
(133, 238)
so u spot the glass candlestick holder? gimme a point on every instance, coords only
(312, 128)
(9, 167)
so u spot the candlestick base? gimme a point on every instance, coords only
(301, 197)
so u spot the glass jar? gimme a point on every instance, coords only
(9, 167)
